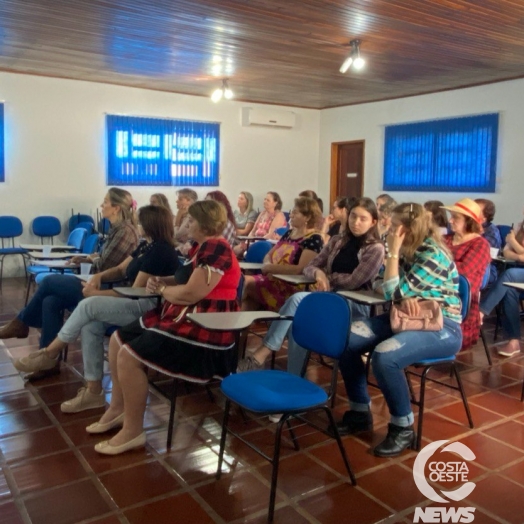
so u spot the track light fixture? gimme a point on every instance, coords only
(353, 58)
(223, 91)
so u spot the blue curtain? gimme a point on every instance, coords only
(2, 171)
(458, 155)
(162, 152)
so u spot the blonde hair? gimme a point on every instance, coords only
(124, 200)
(249, 197)
(418, 225)
(164, 202)
(210, 215)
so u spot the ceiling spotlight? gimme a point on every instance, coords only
(223, 91)
(353, 58)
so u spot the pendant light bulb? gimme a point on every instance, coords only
(217, 95)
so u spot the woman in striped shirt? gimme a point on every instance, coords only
(418, 266)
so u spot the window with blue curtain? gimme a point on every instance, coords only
(161, 152)
(456, 155)
(2, 170)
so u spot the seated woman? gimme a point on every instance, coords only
(490, 231)
(59, 292)
(167, 340)
(230, 231)
(270, 219)
(349, 261)
(104, 308)
(185, 197)
(159, 199)
(438, 215)
(385, 211)
(245, 215)
(471, 256)
(289, 256)
(510, 297)
(418, 267)
(335, 223)
(312, 194)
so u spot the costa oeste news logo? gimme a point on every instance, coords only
(441, 469)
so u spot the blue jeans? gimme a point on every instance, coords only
(391, 354)
(510, 300)
(46, 308)
(281, 329)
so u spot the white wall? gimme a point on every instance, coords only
(55, 146)
(367, 122)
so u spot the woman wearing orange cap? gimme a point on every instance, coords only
(471, 255)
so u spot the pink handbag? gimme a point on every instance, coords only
(429, 319)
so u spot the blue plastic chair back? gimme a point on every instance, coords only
(465, 295)
(257, 251)
(86, 225)
(10, 227)
(504, 232)
(46, 226)
(240, 288)
(321, 324)
(286, 214)
(91, 244)
(78, 218)
(485, 278)
(104, 226)
(281, 230)
(77, 238)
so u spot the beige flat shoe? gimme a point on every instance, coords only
(107, 449)
(98, 427)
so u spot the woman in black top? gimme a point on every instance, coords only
(103, 308)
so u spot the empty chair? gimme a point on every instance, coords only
(79, 218)
(91, 244)
(77, 238)
(277, 392)
(46, 227)
(10, 228)
(88, 226)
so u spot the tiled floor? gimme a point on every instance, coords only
(50, 474)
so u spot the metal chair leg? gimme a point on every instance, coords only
(340, 446)
(421, 406)
(522, 394)
(485, 344)
(223, 438)
(462, 394)
(274, 473)
(292, 433)
(172, 413)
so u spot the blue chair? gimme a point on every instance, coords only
(273, 392)
(104, 226)
(91, 244)
(46, 227)
(10, 228)
(88, 226)
(257, 251)
(504, 232)
(76, 238)
(281, 230)
(428, 364)
(77, 219)
(286, 214)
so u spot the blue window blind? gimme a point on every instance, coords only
(2, 171)
(161, 152)
(457, 155)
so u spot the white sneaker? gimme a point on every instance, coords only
(275, 418)
(508, 353)
(84, 400)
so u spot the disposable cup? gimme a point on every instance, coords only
(85, 268)
(46, 250)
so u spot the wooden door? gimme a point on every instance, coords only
(347, 169)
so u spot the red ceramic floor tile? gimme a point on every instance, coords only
(344, 503)
(499, 496)
(480, 416)
(17, 402)
(16, 422)
(178, 508)
(5, 492)
(299, 475)
(110, 519)
(67, 418)
(236, 495)
(76, 429)
(32, 444)
(9, 514)
(509, 432)
(47, 472)
(283, 515)
(67, 505)
(185, 435)
(512, 370)
(487, 378)
(392, 485)
(498, 403)
(194, 464)
(490, 453)
(60, 392)
(139, 483)
(515, 472)
(436, 427)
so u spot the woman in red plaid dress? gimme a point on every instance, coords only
(472, 256)
(166, 340)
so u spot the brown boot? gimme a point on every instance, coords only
(15, 329)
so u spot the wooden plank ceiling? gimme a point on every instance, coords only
(274, 51)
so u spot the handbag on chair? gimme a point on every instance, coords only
(430, 318)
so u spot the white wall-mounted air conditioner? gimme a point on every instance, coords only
(255, 116)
